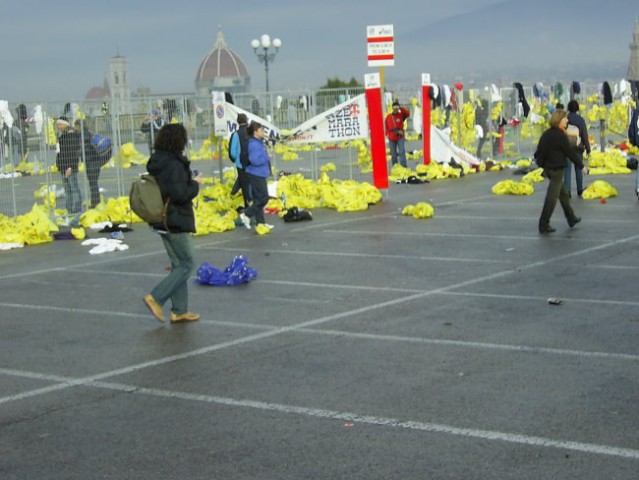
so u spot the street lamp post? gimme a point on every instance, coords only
(266, 56)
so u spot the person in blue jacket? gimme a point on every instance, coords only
(238, 154)
(258, 170)
(179, 187)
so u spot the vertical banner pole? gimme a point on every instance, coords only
(426, 116)
(220, 127)
(376, 122)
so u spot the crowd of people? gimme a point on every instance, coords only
(562, 148)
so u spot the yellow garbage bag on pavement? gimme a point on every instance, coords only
(534, 177)
(511, 187)
(262, 229)
(599, 189)
(420, 210)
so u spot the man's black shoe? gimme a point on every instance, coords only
(574, 221)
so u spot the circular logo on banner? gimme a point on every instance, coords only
(219, 111)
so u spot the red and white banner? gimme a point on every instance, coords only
(376, 122)
(380, 45)
(272, 132)
(346, 121)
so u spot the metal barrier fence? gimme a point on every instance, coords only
(30, 146)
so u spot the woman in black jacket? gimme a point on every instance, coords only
(551, 153)
(172, 170)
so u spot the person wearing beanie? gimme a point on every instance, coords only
(580, 146)
(394, 124)
(67, 161)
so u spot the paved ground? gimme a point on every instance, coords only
(371, 346)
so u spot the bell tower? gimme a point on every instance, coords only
(119, 83)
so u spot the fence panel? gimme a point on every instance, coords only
(30, 148)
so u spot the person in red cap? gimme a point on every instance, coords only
(394, 124)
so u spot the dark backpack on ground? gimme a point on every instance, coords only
(146, 201)
(294, 214)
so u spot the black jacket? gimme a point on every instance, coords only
(91, 157)
(243, 137)
(70, 151)
(173, 174)
(553, 148)
(577, 120)
(481, 116)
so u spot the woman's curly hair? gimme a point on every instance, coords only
(172, 137)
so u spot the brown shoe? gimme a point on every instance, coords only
(184, 317)
(155, 307)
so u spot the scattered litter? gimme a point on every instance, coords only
(236, 273)
(105, 245)
(510, 249)
(555, 301)
(10, 245)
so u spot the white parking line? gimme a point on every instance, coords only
(492, 236)
(95, 380)
(355, 418)
(368, 255)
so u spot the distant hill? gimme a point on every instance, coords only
(538, 39)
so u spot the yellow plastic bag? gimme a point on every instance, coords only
(262, 229)
(78, 233)
(599, 189)
(534, 177)
(421, 210)
(511, 187)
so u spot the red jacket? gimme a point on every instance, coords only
(394, 124)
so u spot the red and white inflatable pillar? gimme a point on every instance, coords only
(426, 116)
(376, 125)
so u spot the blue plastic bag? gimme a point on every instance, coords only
(235, 274)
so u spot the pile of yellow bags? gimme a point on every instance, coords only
(612, 161)
(32, 228)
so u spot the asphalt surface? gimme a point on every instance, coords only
(371, 346)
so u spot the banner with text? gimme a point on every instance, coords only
(346, 121)
(272, 132)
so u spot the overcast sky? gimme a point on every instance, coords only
(58, 50)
